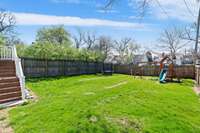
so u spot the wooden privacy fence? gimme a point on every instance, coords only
(183, 71)
(47, 68)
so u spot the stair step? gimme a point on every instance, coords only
(9, 79)
(7, 65)
(10, 99)
(7, 68)
(10, 89)
(10, 95)
(7, 73)
(6, 85)
(6, 62)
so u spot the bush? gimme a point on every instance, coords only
(51, 51)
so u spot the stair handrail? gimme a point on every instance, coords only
(19, 71)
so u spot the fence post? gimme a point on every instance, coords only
(112, 67)
(197, 77)
(22, 62)
(63, 67)
(46, 68)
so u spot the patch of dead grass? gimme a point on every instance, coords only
(127, 123)
(4, 122)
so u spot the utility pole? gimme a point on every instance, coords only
(197, 34)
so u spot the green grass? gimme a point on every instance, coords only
(99, 104)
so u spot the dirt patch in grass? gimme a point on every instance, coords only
(89, 79)
(4, 122)
(89, 93)
(126, 123)
(197, 90)
(116, 85)
(5, 126)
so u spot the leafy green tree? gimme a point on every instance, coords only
(2, 40)
(103, 47)
(126, 49)
(38, 50)
(21, 48)
(56, 35)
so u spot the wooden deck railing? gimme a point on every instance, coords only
(6, 53)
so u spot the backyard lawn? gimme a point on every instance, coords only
(108, 104)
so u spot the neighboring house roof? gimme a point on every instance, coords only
(187, 59)
(139, 58)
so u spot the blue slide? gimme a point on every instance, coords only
(163, 75)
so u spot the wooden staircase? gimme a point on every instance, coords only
(10, 89)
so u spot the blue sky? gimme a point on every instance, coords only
(118, 22)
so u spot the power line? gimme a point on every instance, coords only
(158, 2)
(165, 12)
(189, 10)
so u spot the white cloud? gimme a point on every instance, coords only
(67, 1)
(40, 19)
(134, 17)
(107, 11)
(172, 9)
(177, 9)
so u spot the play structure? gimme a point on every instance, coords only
(167, 72)
(165, 68)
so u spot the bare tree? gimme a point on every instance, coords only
(7, 21)
(140, 5)
(104, 46)
(89, 40)
(126, 49)
(109, 3)
(188, 33)
(171, 41)
(79, 39)
(143, 4)
(133, 47)
(13, 40)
